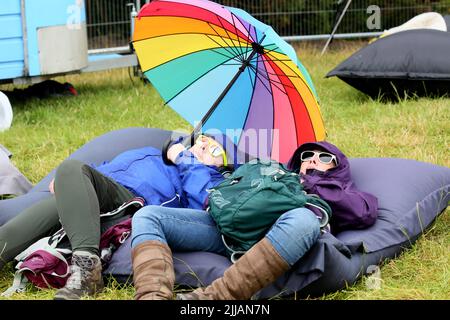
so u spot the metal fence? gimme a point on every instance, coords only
(110, 23)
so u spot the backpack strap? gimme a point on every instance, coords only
(315, 201)
(19, 284)
(41, 243)
(234, 254)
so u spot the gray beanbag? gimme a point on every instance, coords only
(411, 194)
(407, 63)
(12, 181)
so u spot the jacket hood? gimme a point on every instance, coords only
(342, 170)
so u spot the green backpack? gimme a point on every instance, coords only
(248, 202)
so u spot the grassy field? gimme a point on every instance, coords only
(45, 132)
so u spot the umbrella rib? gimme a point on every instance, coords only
(273, 102)
(303, 80)
(235, 28)
(257, 74)
(229, 57)
(250, 75)
(249, 35)
(246, 44)
(233, 53)
(208, 10)
(223, 38)
(187, 54)
(290, 105)
(260, 77)
(261, 74)
(227, 49)
(282, 61)
(279, 75)
(232, 64)
(170, 35)
(271, 50)
(250, 102)
(274, 82)
(268, 51)
(226, 31)
(274, 73)
(257, 71)
(191, 17)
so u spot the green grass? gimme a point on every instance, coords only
(44, 132)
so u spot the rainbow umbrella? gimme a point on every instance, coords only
(220, 68)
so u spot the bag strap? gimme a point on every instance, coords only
(19, 284)
(314, 200)
(325, 217)
(234, 253)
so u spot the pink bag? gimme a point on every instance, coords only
(45, 269)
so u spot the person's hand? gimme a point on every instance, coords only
(301, 174)
(51, 186)
(174, 151)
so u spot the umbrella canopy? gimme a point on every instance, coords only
(222, 69)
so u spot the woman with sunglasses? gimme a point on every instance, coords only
(82, 192)
(323, 169)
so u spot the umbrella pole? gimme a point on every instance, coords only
(198, 127)
(257, 48)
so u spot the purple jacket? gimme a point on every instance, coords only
(352, 208)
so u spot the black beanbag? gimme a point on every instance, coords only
(410, 194)
(404, 64)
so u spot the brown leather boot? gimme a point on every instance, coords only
(153, 273)
(257, 268)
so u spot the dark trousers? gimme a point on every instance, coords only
(81, 194)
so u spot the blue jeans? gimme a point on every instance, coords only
(292, 235)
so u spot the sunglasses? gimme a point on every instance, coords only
(324, 157)
(214, 149)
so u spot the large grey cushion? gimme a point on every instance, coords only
(12, 181)
(411, 194)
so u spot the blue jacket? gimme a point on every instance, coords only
(143, 172)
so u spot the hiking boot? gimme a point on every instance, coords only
(257, 268)
(85, 279)
(153, 273)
